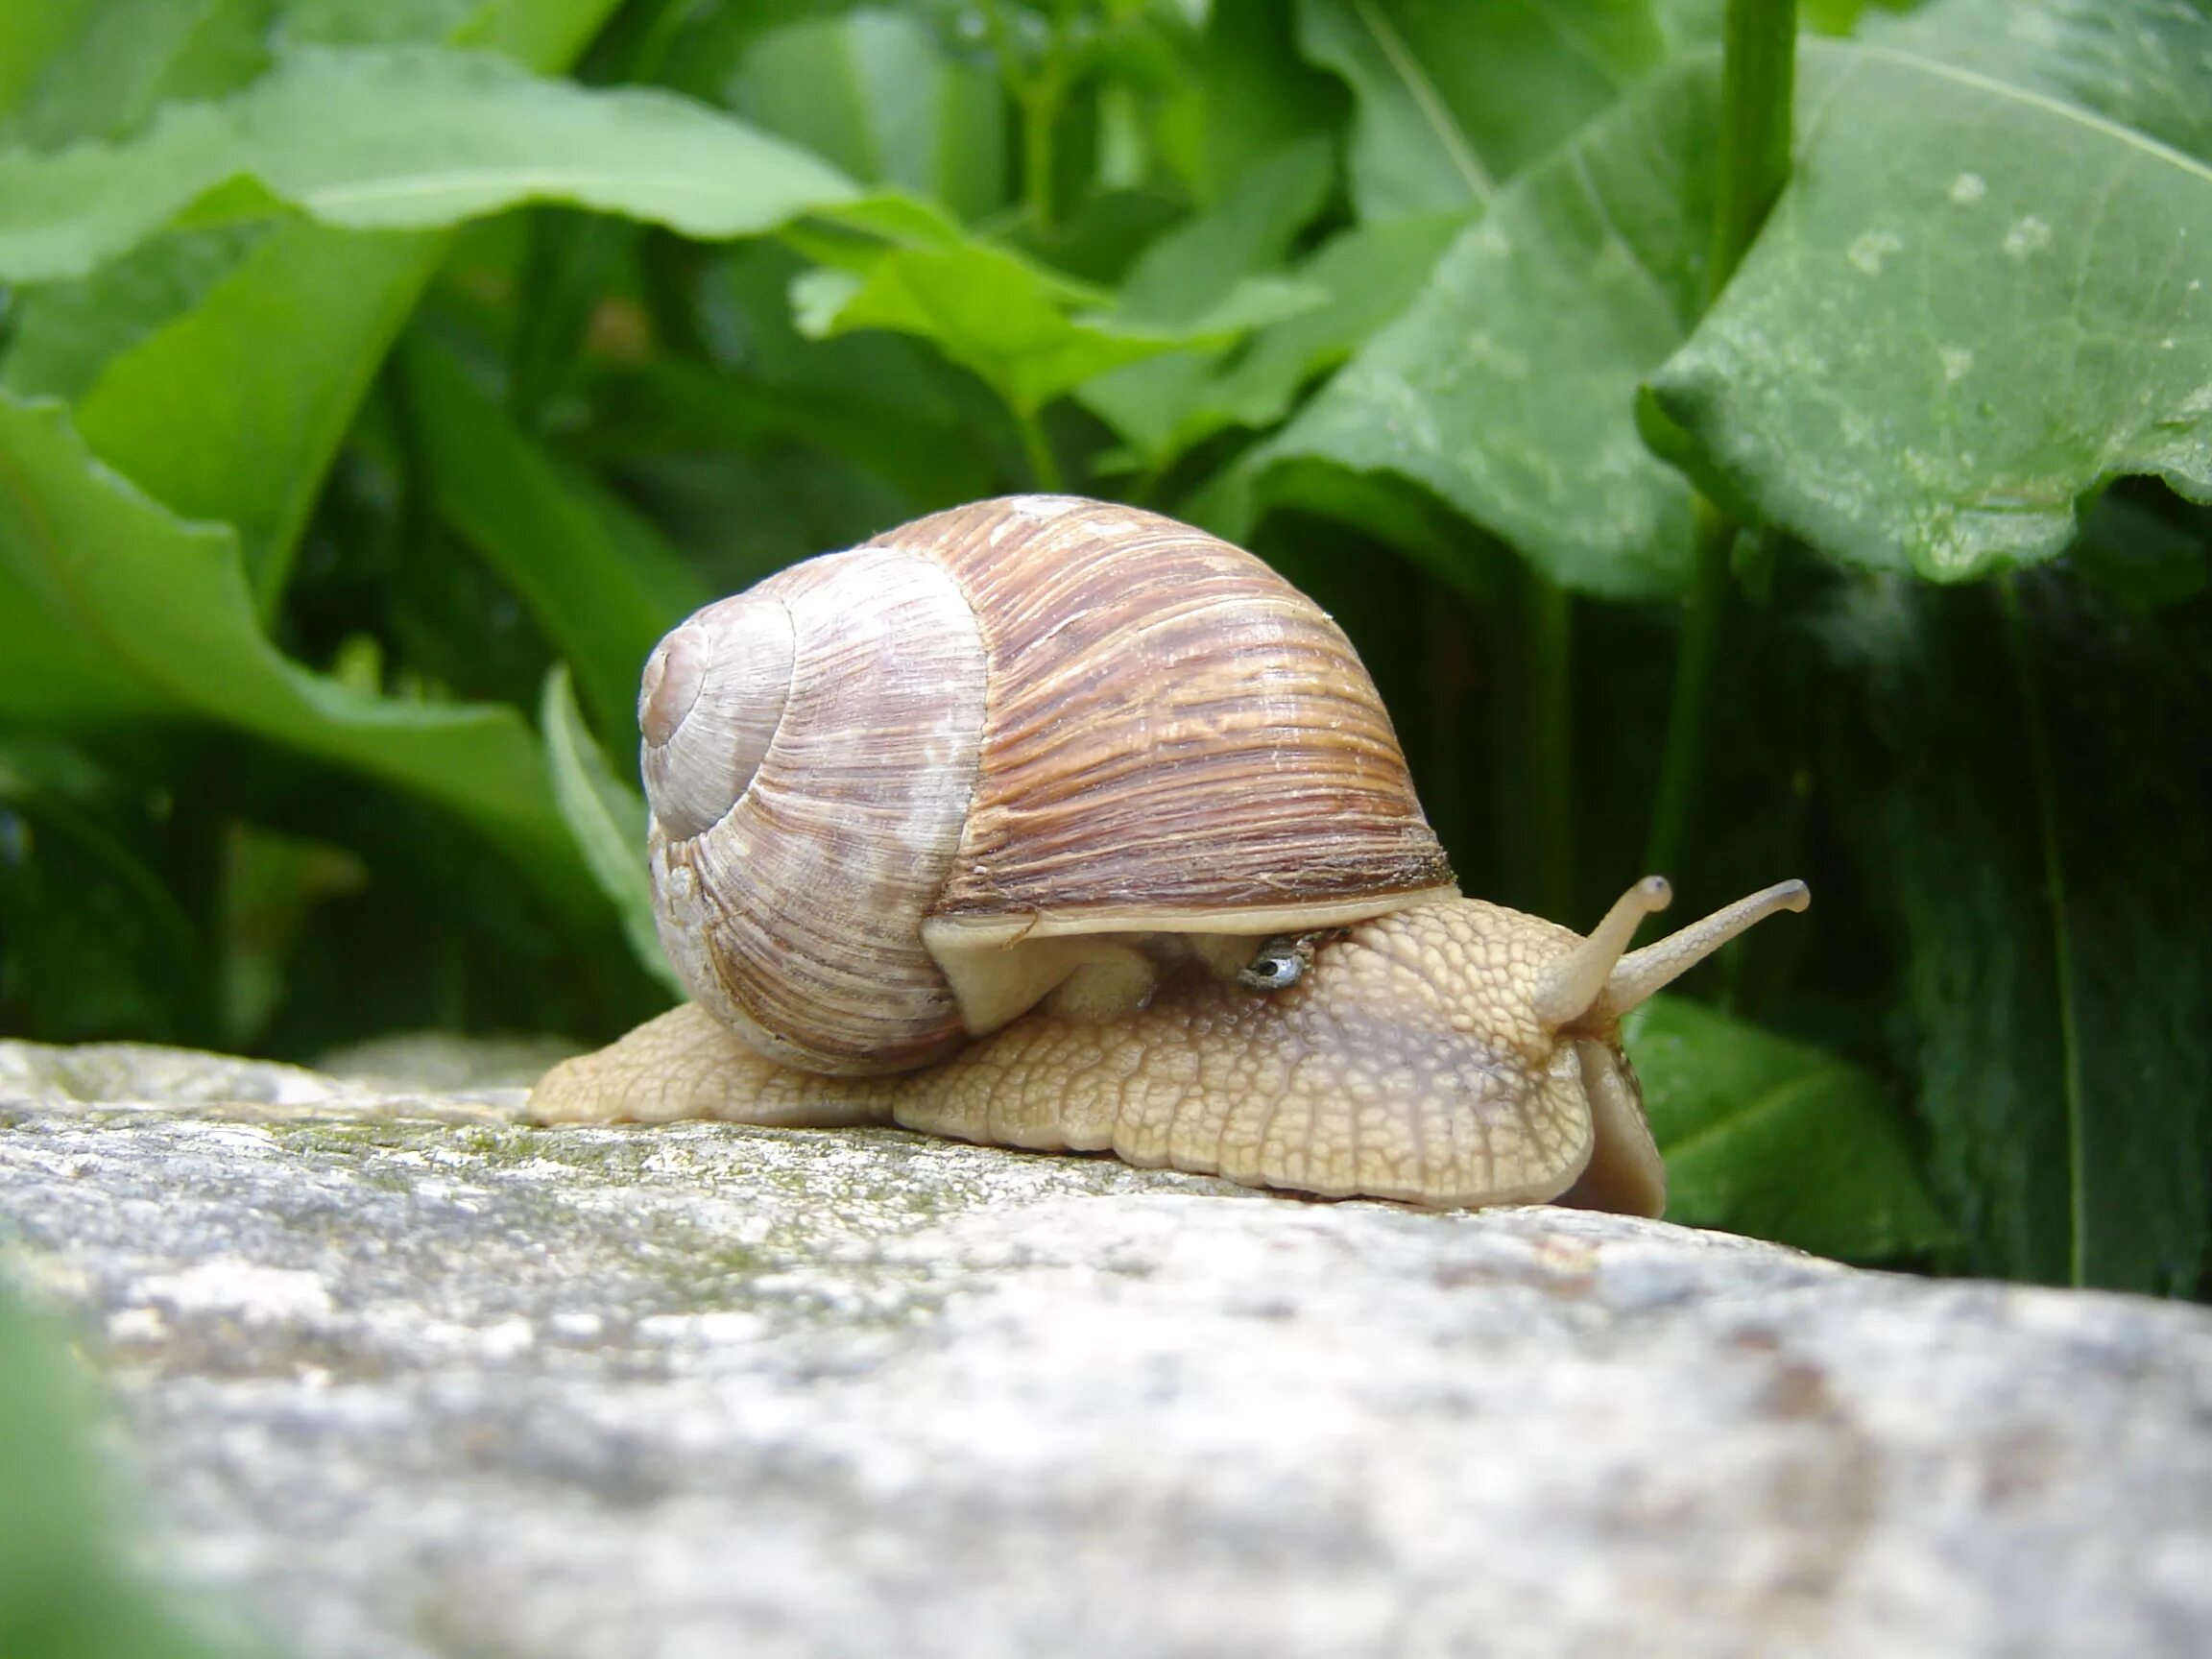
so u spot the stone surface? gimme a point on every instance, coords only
(409, 1379)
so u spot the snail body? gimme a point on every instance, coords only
(1060, 825)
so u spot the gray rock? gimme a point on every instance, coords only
(408, 1378)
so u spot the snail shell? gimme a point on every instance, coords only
(901, 794)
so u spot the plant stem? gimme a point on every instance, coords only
(1039, 97)
(2036, 727)
(1690, 715)
(1758, 73)
(1548, 631)
(1040, 112)
(1036, 449)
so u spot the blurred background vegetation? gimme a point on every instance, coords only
(378, 378)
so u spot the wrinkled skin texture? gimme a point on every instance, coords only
(1408, 1064)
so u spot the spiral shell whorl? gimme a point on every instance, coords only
(714, 693)
(849, 730)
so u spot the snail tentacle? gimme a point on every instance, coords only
(1573, 985)
(1641, 973)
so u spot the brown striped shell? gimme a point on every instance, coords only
(901, 793)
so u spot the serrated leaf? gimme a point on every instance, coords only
(408, 137)
(1030, 332)
(607, 816)
(123, 610)
(1508, 387)
(1776, 1138)
(1447, 112)
(1978, 305)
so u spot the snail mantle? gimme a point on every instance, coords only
(1056, 824)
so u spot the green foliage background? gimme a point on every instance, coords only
(378, 380)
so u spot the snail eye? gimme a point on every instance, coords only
(1280, 964)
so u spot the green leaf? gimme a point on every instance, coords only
(93, 944)
(232, 409)
(1447, 109)
(1508, 387)
(408, 137)
(2141, 64)
(1977, 305)
(1368, 274)
(1777, 1139)
(607, 816)
(1014, 323)
(123, 610)
(1193, 270)
(1256, 93)
(103, 70)
(671, 404)
(601, 597)
(31, 38)
(2033, 804)
(872, 94)
(67, 1583)
(66, 334)
(381, 22)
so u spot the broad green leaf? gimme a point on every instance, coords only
(107, 67)
(602, 598)
(1507, 388)
(1977, 305)
(66, 334)
(872, 93)
(1454, 100)
(2142, 64)
(114, 607)
(1368, 274)
(1371, 274)
(381, 22)
(1777, 1139)
(407, 137)
(607, 816)
(1194, 269)
(31, 38)
(1257, 94)
(2034, 804)
(232, 409)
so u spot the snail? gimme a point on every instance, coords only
(1060, 825)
